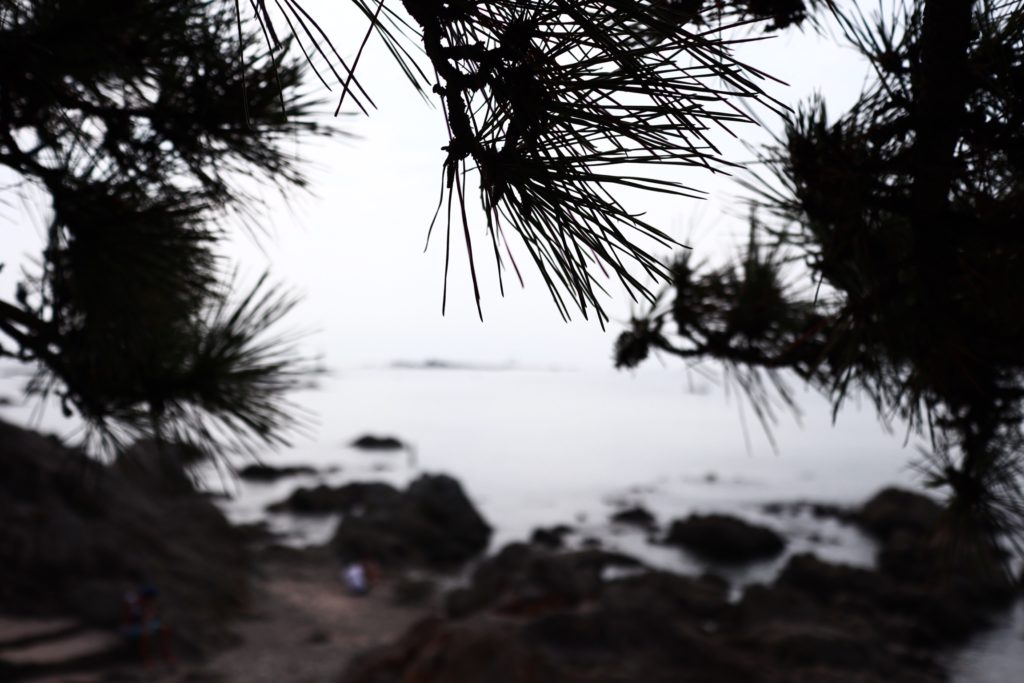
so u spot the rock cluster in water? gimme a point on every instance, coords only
(432, 522)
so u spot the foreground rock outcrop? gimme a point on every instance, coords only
(76, 534)
(531, 614)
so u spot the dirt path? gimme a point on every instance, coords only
(304, 628)
(301, 627)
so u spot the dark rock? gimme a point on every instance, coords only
(262, 472)
(490, 580)
(434, 651)
(432, 522)
(660, 592)
(978, 573)
(551, 537)
(819, 623)
(635, 516)
(549, 616)
(938, 611)
(369, 442)
(725, 539)
(526, 579)
(410, 591)
(351, 498)
(318, 637)
(914, 552)
(601, 644)
(75, 535)
(892, 510)
(824, 580)
(161, 469)
(256, 532)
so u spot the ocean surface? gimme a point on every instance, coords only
(539, 447)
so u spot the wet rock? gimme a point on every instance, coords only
(552, 536)
(893, 510)
(267, 473)
(725, 539)
(351, 498)
(370, 442)
(636, 515)
(432, 522)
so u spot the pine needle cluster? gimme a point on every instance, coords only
(147, 124)
(898, 227)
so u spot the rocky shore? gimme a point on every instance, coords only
(75, 535)
(531, 614)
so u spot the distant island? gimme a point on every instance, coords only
(437, 364)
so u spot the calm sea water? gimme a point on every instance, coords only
(544, 447)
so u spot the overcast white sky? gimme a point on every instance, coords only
(354, 249)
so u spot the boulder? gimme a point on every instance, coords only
(353, 498)
(432, 522)
(370, 442)
(434, 651)
(76, 534)
(635, 516)
(657, 592)
(892, 510)
(934, 612)
(600, 642)
(551, 536)
(725, 539)
(266, 473)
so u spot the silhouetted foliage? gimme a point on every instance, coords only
(552, 105)
(891, 263)
(147, 123)
(140, 119)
